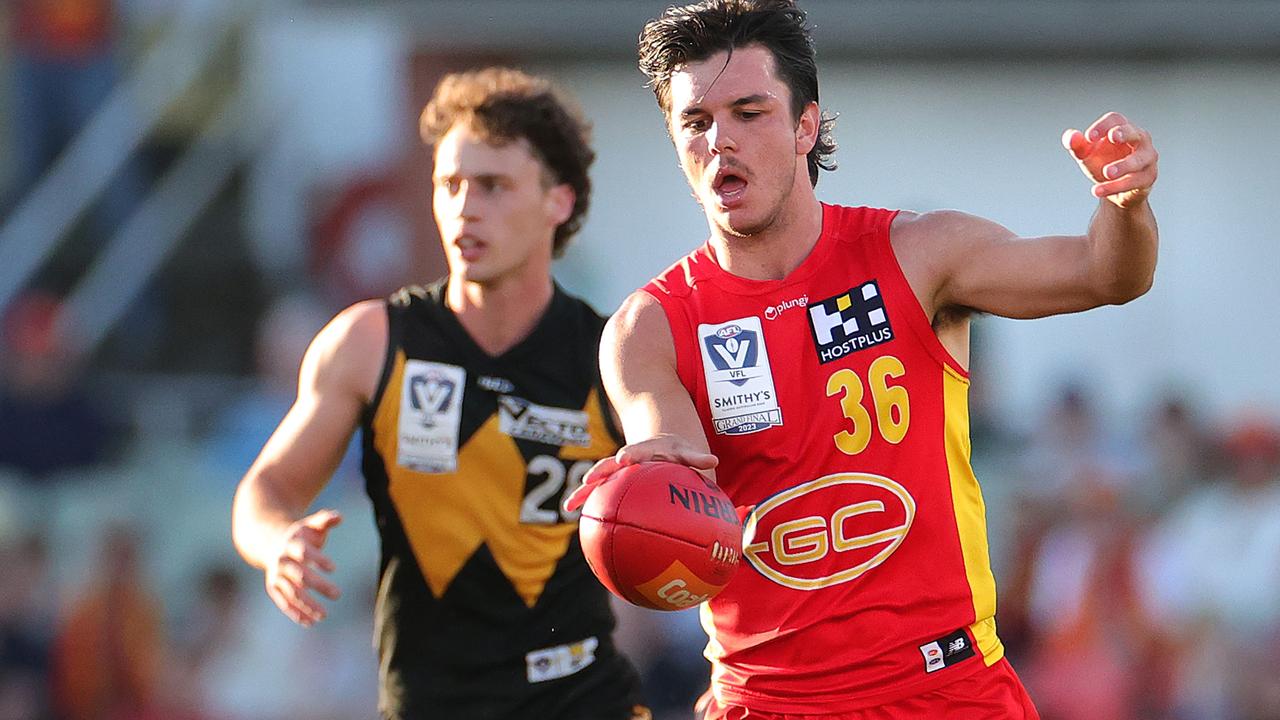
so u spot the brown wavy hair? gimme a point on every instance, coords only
(502, 105)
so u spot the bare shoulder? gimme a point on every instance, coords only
(944, 227)
(347, 354)
(638, 312)
(932, 247)
(636, 341)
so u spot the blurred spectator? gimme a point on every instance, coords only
(24, 631)
(1068, 441)
(1175, 456)
(1212, 568)
(247, 420)
(238, 659)
(48, 419)
(64, 66)
(1096, 651)
(108, 653)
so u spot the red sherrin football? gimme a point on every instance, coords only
(661, 536)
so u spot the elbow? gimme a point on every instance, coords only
(1122, 290)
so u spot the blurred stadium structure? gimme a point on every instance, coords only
(189, 189)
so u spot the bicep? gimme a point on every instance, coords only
(958, 260)
(638, 366)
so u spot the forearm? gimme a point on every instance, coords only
(259, 517)
(1123, 245)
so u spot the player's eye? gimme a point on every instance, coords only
(695, 124)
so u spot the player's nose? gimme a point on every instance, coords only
(719, 139)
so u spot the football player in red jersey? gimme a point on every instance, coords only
(813, 358)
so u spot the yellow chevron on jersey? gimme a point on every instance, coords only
(448, 516)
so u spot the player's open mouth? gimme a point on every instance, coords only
(470, 247)
(729, 188)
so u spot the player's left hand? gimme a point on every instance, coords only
(668, 448)
(1117, 156)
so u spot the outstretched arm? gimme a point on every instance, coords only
(270, 527)
(957, 260)
(638, 367)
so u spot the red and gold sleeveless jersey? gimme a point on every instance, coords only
(842, 428)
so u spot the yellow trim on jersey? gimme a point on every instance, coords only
(971, 515)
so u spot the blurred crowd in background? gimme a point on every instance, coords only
(1138, 561)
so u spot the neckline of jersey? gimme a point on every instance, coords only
(746, 286)
(544, 326)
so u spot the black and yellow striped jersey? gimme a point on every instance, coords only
(486, 606)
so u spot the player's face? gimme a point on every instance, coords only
(494, 206)
(741, 148)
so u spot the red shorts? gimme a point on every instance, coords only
(994, 694)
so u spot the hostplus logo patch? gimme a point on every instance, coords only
(851, 321)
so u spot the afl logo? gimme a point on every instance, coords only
(728, 331)
(797, 540)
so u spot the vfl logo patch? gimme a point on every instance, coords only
(431, 395)
(430, 415)
(946, 651)
(828, 531)
(740, 386)
(735, 352)
(522, 419)
(852, 321)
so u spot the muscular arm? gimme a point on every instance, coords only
(954, 260)
(638, 367)
(269, 526)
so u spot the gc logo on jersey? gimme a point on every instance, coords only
(828, 531)
(740, 386)
(851, 321)
(430, 416)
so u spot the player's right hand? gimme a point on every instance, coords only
(293, 572)
(668, 448)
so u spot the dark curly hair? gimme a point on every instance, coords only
(692, 33)
(502, 105)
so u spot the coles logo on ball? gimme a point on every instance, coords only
(828, 531)
(677, 587)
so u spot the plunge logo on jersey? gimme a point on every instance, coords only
(522, 419)
(740, 386)
(851, 321)
(430, 416)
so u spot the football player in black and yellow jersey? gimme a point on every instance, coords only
(479, 403)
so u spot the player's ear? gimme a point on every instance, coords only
(807, 127)
(559, 203)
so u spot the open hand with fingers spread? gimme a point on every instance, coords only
(293, 573)
(1117, 156)
(662, 447)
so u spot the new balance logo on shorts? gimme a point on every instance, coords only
(946, 651)
(851, 321)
